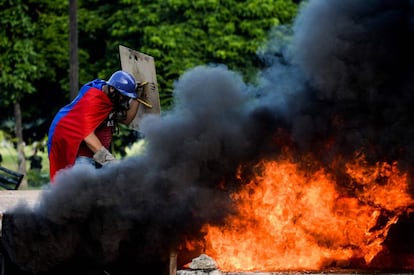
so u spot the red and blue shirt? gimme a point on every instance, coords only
(74, 122)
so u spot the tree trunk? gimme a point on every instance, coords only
(21, 158)
(73, 48)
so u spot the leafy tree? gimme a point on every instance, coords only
(44, 52)
(19, 63)
(19, 59)
(50, 19)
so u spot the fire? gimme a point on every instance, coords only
(291, 219)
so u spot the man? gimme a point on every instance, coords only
(83, 129)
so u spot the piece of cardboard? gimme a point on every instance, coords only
(142, 67)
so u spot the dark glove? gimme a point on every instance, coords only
(103, 156)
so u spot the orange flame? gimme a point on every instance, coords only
(290, 219)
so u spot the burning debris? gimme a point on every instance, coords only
(203, 262)
(312, 169)
(201, 265)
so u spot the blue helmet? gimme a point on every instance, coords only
(123, 82)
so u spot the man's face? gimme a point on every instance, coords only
(124, 102)
(118, 99)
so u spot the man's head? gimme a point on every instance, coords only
(124, 83)
(121, 89)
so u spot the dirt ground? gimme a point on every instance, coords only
(10, 198)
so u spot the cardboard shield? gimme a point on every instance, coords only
(142, 67)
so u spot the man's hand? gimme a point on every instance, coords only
(142, 90)
(103, 156)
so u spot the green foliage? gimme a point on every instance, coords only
(18, 58)
(51, 23)
(33, 61)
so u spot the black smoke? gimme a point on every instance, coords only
(357, 57)
(343, 84)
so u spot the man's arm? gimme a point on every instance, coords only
(132, 111)
(93, 142)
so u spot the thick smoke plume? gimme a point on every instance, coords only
(343, 84)
(357, 58)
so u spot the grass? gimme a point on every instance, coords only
(9, 155)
